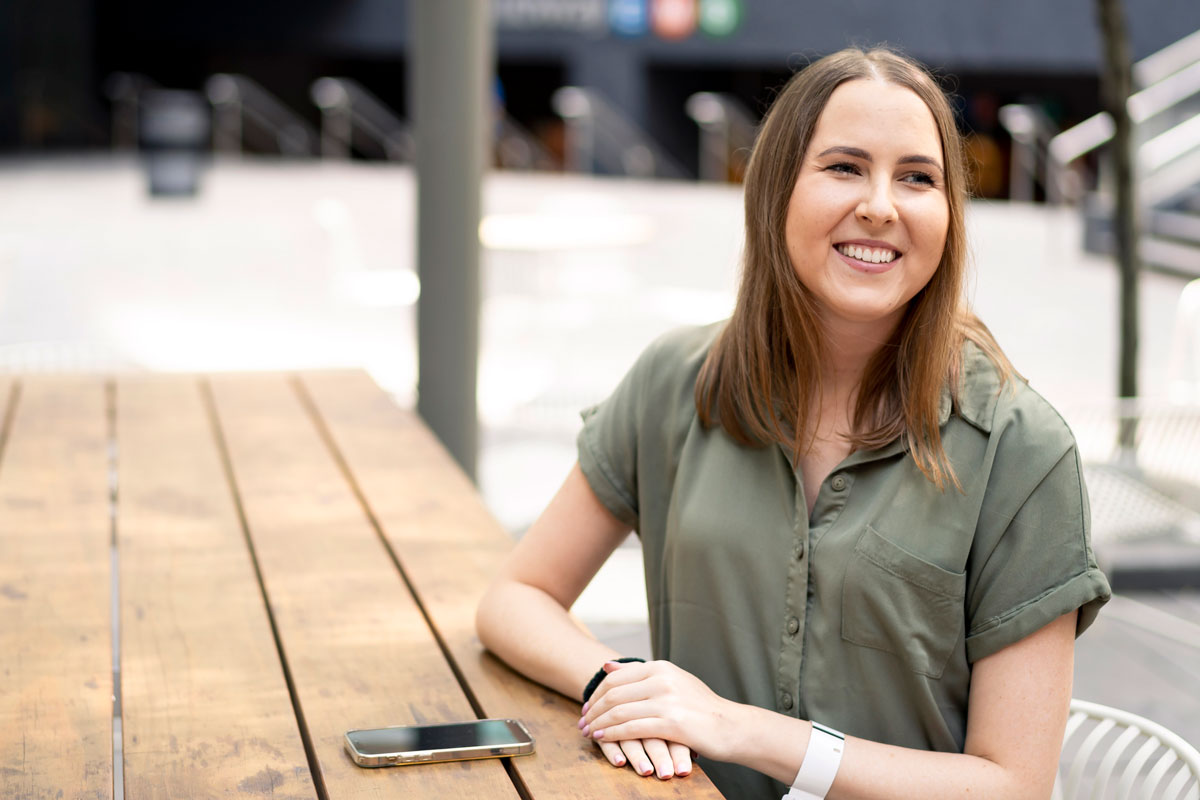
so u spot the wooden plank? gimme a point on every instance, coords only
(450, 545)
(206, 709)
(56, 702)
(360, 653)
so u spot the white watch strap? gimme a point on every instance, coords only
(820, 764)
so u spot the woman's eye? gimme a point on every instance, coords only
(921, 177)
(843, 167)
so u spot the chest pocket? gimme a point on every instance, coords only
(897, 602)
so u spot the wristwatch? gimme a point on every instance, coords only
(820, 764)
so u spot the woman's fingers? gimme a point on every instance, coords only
(637, 757)
(623, 713)
(649, 756)
(681, 755)
(660, 757)
(613, 752)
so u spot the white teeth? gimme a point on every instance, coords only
(869, 254)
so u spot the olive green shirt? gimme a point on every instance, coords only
(868, 615)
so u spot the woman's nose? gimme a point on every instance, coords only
(877, 206)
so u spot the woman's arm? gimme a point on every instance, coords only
(523, 616)
(1018, 710)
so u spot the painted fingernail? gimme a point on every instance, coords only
(645, 768)
(664, 774)
(620, 762)
(598, 734)
(582, 722)
(585, 730)
(586, 706)
(685, 771)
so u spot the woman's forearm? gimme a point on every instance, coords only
(533, 634)
(775, 744)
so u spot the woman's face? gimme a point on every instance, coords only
(867, 221)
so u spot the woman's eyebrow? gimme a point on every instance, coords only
(922, 160)
(858, 152)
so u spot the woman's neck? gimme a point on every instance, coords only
(849, 348)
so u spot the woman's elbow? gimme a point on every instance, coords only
(485, 616)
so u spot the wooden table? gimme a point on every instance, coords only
(284, 558)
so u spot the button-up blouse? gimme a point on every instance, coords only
(868, 614)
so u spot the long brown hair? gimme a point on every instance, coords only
(763, 373)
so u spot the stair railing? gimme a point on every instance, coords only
(727, 131)
(124, 91)
(346, 108)
(237, 100)
(602, 139)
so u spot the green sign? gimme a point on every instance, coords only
(720, 17)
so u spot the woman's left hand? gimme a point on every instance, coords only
(658, 700)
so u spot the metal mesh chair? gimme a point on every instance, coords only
(1109, 753)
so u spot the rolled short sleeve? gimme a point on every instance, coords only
(1038, 564)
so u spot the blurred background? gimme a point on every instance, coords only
(222, 185)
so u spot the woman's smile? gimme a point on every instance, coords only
(870, 257)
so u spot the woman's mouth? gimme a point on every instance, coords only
(867, 259)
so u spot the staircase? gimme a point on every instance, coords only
(1166, 117)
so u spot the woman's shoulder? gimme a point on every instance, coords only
(684, 347)
(1003, 404)
(672, 362)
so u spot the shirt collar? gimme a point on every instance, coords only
(975, 401)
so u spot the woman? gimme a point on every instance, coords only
(857, 521)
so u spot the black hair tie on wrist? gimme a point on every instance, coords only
(599, 676)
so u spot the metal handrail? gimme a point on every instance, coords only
(346, 107)
(517, 148)
(1032, 130)
(1172, 58)
(236, 98)
(1167, 133)
(727, 131)
(1144, 106)
(1170, 162)
(124, 91)
(600, 136)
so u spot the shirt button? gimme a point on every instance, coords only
(793, 626)
(799, 551)
(838, 483)
(786, 700)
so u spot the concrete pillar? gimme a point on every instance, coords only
(452, 67)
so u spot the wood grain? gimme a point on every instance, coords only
(55, 643)
(359, 650)
(449, 545)
(206, 707)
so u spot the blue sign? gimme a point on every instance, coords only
(628, 17)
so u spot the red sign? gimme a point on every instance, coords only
(673, 19)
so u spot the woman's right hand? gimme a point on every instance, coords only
(649, 757)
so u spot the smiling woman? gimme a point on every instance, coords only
(866, 539)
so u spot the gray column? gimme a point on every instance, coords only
(452, 66)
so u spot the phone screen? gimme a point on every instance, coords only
(480, 733)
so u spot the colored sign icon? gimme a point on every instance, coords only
(720, 17)
(628, 17)
(673, 19)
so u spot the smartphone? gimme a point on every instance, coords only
(422, 744)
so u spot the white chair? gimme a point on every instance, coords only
(1109, 753)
